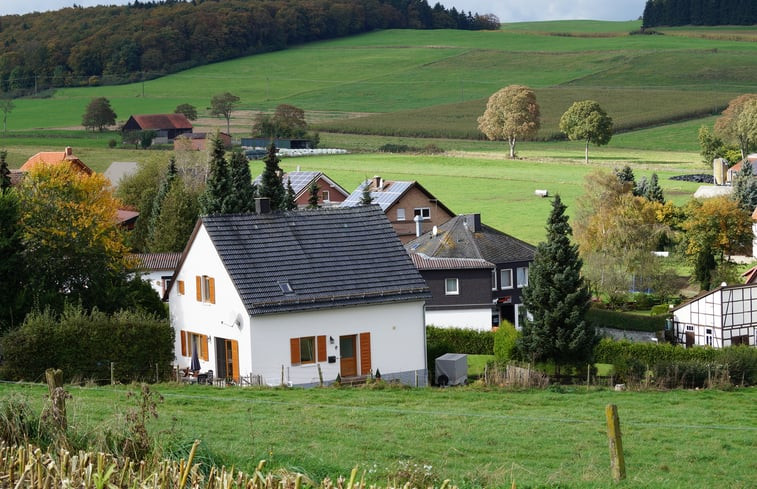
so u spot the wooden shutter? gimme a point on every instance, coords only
(203, 347)
(181, 287)
(183, 335)
(212, 289)
(321, 349)
(365, 353)
(294, 349)
(198, 279)
(235, 360)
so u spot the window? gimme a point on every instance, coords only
(206, 289)
(424, 212)
(325, 196)
(494, 279)
(303, 350)
(400, 214)
(191, 342)
(708, 337)
(522, 276)
(451, 286)
(165, 283)
(286, 288)
(506, 278)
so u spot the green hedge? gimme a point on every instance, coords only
(633, 360)
(84, 344)
(453, 340)
(622, 320)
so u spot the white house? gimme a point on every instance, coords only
(157, 269)
(281, 296)
(722, 317)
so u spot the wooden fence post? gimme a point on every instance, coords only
(112, 377)
(54, 378)
(320, 376)
(617, 462)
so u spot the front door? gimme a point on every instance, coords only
(348, 349)
(227, 359)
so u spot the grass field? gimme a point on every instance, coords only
(475, 438)
(398, 70)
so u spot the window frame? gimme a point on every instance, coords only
(518, 277)
(447, 290)
(502, 285)
(420, 211)
(494, 279)
(401, 214)
(311, 341)
(325, 196)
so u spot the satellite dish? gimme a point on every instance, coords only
(234, 319)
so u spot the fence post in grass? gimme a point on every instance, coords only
(157, 374)
(54, 378)
(112, 377)
(617, 462)
(588, 375)
(320, 376)
(282, 375)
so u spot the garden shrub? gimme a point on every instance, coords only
(84, 344)
(659, 310)
(620, 320)
(505, 339)
(395, 148)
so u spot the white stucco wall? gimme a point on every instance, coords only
(187, 313)
(398, 340)
(479, 319)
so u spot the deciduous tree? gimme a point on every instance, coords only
(189, 111)
(7, 106)
(12, 266)
(511, 114)
(557, 299)
(223, 105)
(5, 173)
(176, 219)
(289, 121)
(587, 121)
(739, 122)
(98, 114)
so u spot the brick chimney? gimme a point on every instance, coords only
(68, 151)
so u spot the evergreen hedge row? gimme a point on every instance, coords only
(84, 344)
(604, 318)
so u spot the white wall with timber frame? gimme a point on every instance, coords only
(726, 316)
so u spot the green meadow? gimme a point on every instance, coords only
(473, 437)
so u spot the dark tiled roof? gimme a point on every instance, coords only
(158, 261)
(423, 262)
(457, 239)
(329, 257)
(163, 121)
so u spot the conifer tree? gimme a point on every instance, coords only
(178, 214)
(165, 187)
(271, 185)
(313, 199)
(218, 185)
(241, 198)
(654, 191)
(745, 188)
(557, 299)
(366, 198)
(289, 203)
(5, 173)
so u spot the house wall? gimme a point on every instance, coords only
(335, 196)
(212, 320)
(718, 318)
(413, 199)
(478, 318)
(398, 341)
(754, 238)
(158, 280)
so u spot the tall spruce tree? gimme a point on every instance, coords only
(271, 184)
(313, 198)
(366, 198)
(557, 299)
(5, 173)
(165, 187)
(654, 191)
(241, 199)
(218, 186)
(289, 203)
(745, 188)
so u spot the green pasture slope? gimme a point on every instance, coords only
(397, 70)
(475, 438)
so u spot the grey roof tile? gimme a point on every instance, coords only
(330, 257)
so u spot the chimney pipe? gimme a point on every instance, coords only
(476, 223)
(377, 183)
(417, 220)
(69, 151)
(262, 205)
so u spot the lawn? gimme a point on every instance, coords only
(476, 438)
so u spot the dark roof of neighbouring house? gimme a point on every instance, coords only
(301, 181)
(330, 257)
(457, 238)
(162, 121)
(423, 262)
(388, 194)
(157, 261)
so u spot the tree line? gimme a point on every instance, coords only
(123, 44)
(699, 12)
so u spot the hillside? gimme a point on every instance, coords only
(645, 80)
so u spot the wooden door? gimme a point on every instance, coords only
(689, 339)
(348, 353)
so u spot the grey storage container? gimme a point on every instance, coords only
(452, 369)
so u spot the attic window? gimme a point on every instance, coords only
(286, 288)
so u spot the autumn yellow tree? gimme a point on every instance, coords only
(616, 232)
(738, 122)
(72, 241)
(714, 229)
(511, 114)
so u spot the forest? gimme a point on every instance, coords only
(121, 44)
(699, 12)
